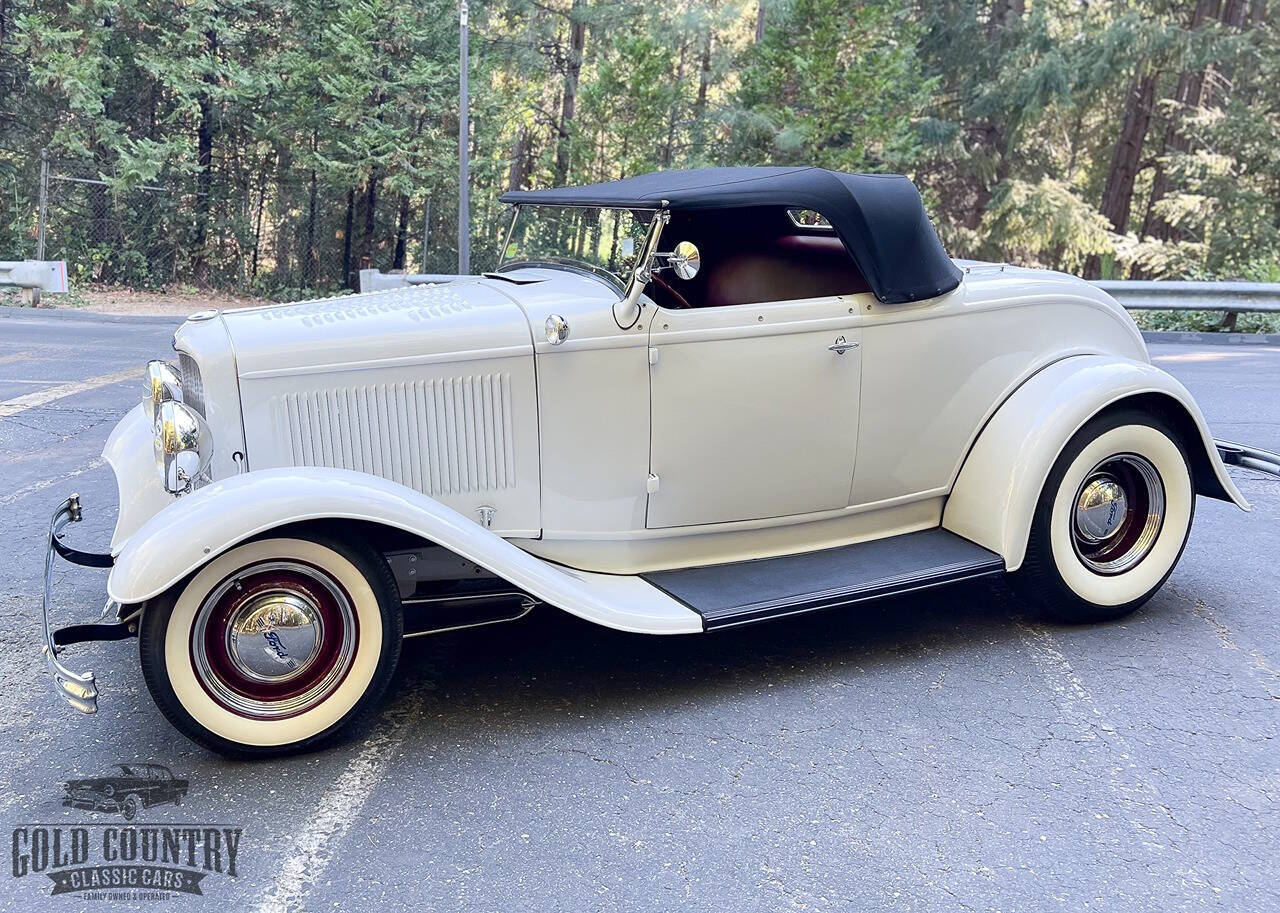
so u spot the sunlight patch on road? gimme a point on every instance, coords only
(27, 401)
(19, 493)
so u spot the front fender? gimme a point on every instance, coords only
(197, 527)
(994, 498)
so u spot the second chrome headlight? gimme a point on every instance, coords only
(184, 446)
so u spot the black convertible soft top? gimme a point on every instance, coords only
(879, 217)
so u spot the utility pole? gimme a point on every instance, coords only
(42, 205)
(464, 165)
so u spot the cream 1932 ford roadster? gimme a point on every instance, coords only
(682, 402)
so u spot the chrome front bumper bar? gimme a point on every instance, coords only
(1234, 454)
(79, 689)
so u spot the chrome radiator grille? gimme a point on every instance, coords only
(441, 437)
(192, 385)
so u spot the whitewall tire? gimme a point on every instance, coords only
(1112, 519)
(275, 646)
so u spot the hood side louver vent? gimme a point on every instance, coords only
(440, 437)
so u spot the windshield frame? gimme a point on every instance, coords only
(620, 284)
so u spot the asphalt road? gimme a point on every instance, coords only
(943, 752)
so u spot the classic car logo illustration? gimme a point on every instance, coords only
(107, 860)
(127, 789)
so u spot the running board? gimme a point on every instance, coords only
(727, 595)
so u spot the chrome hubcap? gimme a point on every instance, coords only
(1100, 509)
(275, 637)
(274, 640)
(1118, 512)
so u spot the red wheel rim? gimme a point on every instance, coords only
(274, 639)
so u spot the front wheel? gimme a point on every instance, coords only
(275, 646)
(1112, 519)
(132, 804)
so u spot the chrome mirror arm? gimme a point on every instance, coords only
(627, 311)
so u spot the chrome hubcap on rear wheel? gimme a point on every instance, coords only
(274, 640)
(1117, 515)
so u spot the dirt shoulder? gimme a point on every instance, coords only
(174, 302)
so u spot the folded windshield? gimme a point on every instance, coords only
(603, 241)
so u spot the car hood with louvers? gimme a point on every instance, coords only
(429, 386)
(355, 331)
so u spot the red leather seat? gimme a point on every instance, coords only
(787, 268)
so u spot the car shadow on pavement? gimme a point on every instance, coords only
(535, 667)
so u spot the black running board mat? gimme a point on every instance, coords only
(726, 595)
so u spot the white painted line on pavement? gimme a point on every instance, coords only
(40, 397)
(19, 493)
(33, 383)
(341, 803)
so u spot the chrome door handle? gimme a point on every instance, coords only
(840, 346)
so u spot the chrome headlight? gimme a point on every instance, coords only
(184, 446)
(163, 384)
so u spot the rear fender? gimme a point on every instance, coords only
(995, 494)
(199, 526)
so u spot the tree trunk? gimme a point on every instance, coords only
(310, 265)
(518, 171)
(370, 224)
(760, 21)
(204, 162)
(1126, 158)
(347, 278)
(257, 220)
(704, 83)
(704, 75)
(569, 102)
(1001, 13)
(987, 135)
(668, 151)
(402, 233)
(1193, 92)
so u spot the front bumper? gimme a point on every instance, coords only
(79, 689)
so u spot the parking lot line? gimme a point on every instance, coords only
(341, 803)
(40, 397)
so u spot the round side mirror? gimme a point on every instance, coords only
(686, 260)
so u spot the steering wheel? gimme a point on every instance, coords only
(677, 300)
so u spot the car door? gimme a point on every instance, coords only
(754, 410)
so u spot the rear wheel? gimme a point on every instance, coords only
(275, 646)
(1112, 519)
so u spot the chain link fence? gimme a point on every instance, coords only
(263, 231)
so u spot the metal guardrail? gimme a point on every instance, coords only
(45, 275)
(375, 280)
(34, 276)
(1241, 297)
